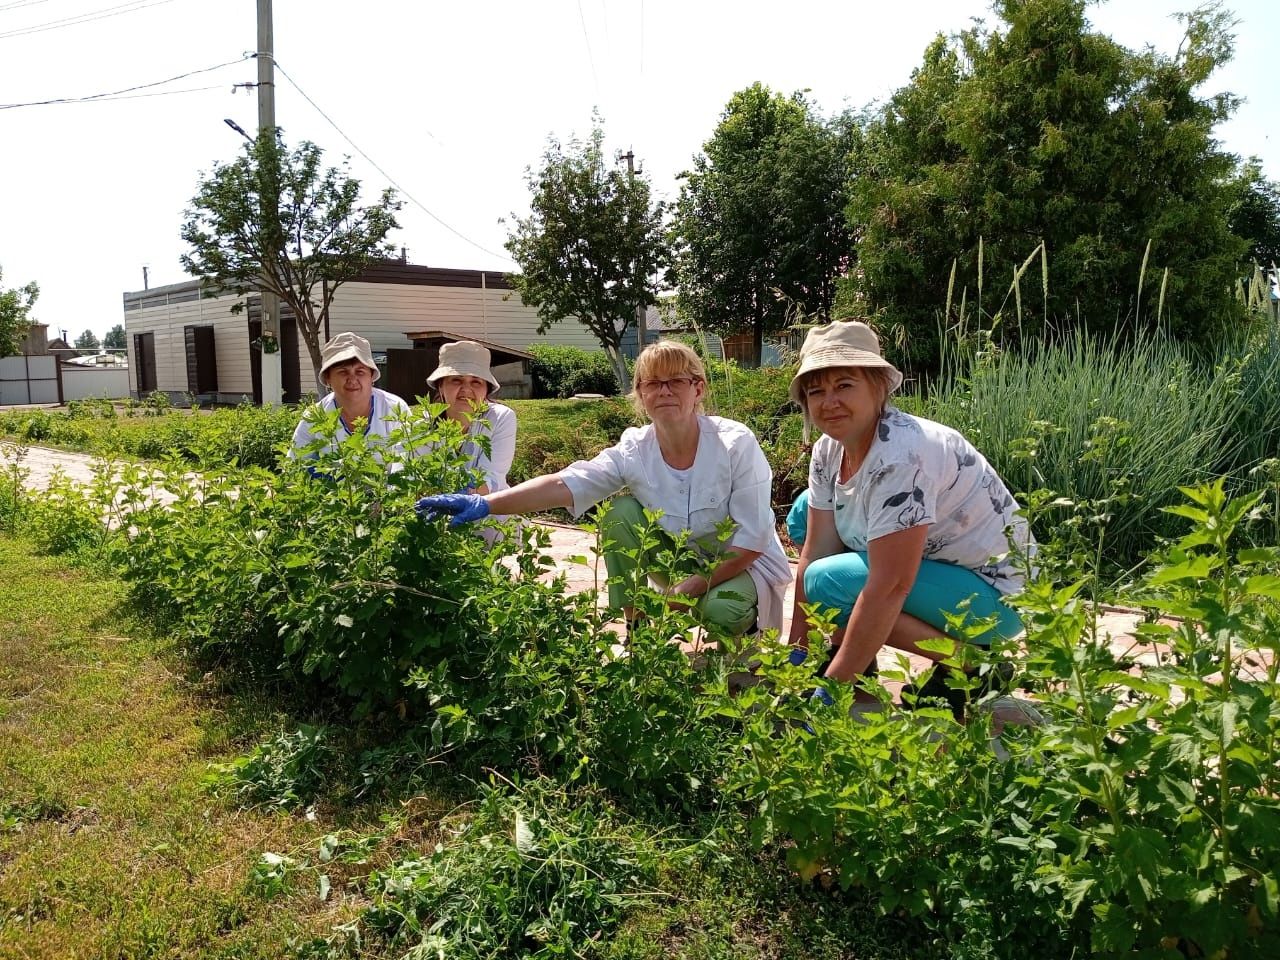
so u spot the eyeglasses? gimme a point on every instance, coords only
(674, 384)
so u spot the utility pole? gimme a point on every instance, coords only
(144, 279)
(271, 379)
(642, 331)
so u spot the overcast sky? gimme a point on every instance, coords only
(453, 101)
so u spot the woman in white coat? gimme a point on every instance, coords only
(464, 381)
(696, 469)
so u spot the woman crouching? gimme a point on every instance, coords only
(904, 520)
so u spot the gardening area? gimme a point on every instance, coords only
(263, 716)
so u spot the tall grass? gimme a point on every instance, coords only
(1097, 422)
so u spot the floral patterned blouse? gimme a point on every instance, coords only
(918, 472)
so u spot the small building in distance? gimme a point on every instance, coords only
(182, 343)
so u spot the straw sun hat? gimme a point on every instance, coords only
(464, 359)
(845, 343)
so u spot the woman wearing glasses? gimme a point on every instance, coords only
(696, 469)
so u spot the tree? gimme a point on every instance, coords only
(760, 217)
(275, 221)
(592, 246)
(15, 313)
(114, 340)
(1254, 214)
(1047, 132)
(87, 341)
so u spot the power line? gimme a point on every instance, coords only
(116, 94)
(384, 173)
(21, 3)
(102, 14)
(590, 57)
(162, 93)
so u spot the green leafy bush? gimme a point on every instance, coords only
(334, 579)
(1157, 775)
(553, 434)
(13, 479)
(244, 436)
(1140, 815)
(562, 371)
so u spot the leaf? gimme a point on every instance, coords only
(1265, 585)
(343, 620)
(1194, 568)
(324, 886)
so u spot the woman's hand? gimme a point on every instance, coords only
(462, 507)
(684, 595)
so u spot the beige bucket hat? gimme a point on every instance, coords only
(845, 343)
(464, 358)
(344, 347)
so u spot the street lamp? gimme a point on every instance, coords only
(237, 128)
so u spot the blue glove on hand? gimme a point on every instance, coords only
(797, 656)
(820, 694)
(462, 507)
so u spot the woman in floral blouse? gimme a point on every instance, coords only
(904, 520)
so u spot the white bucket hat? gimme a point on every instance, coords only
(845, 343)
(344, 347)
(464, 358)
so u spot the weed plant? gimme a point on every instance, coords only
(529, 873)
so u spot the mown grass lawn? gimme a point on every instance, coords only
(109, 844)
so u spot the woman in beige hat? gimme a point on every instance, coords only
(904, 521)
(348, 370)
(697, 469)
(464, 381)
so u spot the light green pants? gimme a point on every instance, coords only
(730, 606)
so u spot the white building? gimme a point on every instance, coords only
(180, 342)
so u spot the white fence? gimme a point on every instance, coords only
(29, 380)
(79, 383)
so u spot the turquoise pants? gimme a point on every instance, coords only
(730, 606)
(940, 588)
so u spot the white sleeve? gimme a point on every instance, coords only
(822, 473)
(303, 435)
(502, 447)
(590, 481)
(751, 496)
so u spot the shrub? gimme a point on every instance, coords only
(1140, 816)
(13, 478)
(554, 434)
(562, 371)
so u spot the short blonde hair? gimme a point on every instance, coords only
(662, 361)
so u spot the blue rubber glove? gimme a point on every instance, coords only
(820, 694)
(462, 507)
(797, 656)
